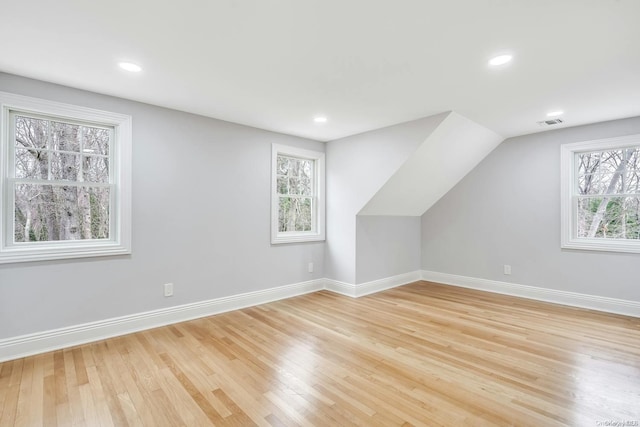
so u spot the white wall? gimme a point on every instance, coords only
(357, 167)
(201, 191)
(386, 246)
(507, 211)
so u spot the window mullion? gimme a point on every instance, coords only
(80, 145)
(50, 152)
(60, 183)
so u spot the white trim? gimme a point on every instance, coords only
(120, 170)
(574, 299)
(40, 342)
(318, 231)
(342, 288)
(367, 288)
(374, 286)
(569, 201)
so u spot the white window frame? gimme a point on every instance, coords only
(317, 232)
(119, 241)
(569, 199)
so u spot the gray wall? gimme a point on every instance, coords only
(507, 211)
(201, 212)
(386, 246)
(357, 167)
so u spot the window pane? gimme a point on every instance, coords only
(301, 177)
(294, 214)
(632, 176)
(307, 167)
(97, 201)
(608, 183)
(633, 181)
(95, 140)
(31, 133)
(51, 213)
(610, 161)
(303, 216)
(609, 217)
(294, 186)
(305, 187)
(633, 156)
(95, 169)
(603, 172)
(632, 218)
(283, 185)
(64, 166)
(65, 137)
(591, 184)
(32, 164)
(286, 220)
(283, 165)
(301, 186)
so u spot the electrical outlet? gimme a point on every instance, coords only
(310, 268)
(507, 269)
(168, 289)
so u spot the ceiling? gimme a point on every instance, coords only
(364, 64)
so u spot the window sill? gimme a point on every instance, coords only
(613, 245)
(15, 255)
(297, 238)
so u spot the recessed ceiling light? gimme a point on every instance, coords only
(130, 66)
(500, 60)
(320, 119)
(555, 113)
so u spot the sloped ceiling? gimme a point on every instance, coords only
(451, 151)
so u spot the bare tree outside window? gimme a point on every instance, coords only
(295, 191)
(608, 205)
(61, 182)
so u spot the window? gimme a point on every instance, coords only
(65, 181)
(297, 195)
(601, 195)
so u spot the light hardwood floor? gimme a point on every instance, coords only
(421, 354)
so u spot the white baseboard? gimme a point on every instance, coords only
(41, 342)
(341, 288)
(574, 299)
(367, 288)
(362, 289)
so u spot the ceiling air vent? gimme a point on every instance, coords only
(550, 122)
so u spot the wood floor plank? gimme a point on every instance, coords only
(109, 383)
(26, 393)
(11, 392)
(419, 355)
(76, 411)
(36, 391)
(50, 417)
